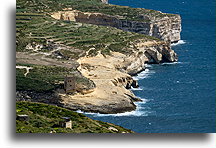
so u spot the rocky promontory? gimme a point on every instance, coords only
(100, 45)
(112, 77)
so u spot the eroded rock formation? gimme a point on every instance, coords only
(112, 77)
(112, 74)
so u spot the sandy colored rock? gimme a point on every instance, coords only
(112, 77)
(110, 94)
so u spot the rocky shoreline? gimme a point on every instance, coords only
(99, 45)
(113, 78)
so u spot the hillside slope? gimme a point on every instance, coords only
(45, 118)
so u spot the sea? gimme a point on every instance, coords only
(177, 97)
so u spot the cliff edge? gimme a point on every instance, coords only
(100, 45)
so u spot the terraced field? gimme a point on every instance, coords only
(36, 28)
(41, 6)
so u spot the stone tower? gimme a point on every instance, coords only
(69, 84)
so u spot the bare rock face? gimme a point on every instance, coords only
(158, 53)
(166, 28)
(134, 63)
(148, 52)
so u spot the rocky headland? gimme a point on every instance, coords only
(112, 75)
(102, 46)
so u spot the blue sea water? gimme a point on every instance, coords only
(178, 97)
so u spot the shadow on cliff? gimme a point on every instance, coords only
(30, 138)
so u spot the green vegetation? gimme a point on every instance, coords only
(40, 6)
(47, 78)
(45, 118)
(41, 28)
(40, 78)
(35, 26)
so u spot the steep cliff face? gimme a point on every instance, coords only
(148, 52)
(167, 27)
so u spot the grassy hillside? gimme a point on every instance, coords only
(45, 118)
(87, 6)
(36, 28)
(48, 78)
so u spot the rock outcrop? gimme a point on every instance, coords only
(166, 27)
(112, 77)
(148, 52)
(110, 94)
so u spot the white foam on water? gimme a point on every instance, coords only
(171, 63)
(147, 65)
(139, 88)
(180, 42)
(144, 74)
(138, 112)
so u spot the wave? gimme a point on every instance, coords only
(171, 63)
(180, 42)
(147, 65)
(139, 88)
(144, 74)
(174, 63)
(138, 112)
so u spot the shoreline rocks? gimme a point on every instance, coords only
(112, 77)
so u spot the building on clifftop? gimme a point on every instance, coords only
(69, 84)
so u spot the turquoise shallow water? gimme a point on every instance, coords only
(178, 97)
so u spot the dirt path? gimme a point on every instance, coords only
(25, 67)
(41, 59)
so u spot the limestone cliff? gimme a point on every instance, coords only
(148, 52)
(112, 76)
(88, 39)
(165, 27)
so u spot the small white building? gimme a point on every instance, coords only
(67, 123)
